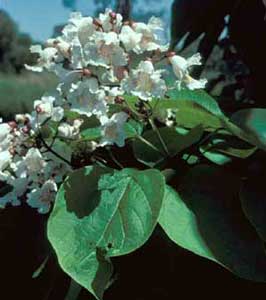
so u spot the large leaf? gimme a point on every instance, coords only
(253, 123)
(221, 147)
(180, 224)
(100, 213)
(212, 195)
(253, 198)
(199, 97)
(192, 108)
(175, 142)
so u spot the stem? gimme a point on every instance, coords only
(154, 127)
(114, 159)
(142, 139)
(53, 152)
(73, 291)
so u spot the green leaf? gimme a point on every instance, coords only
(212, 195)
(91, 134)
(100, 213)
(133, 128)
(215, 157)
(221, 148)
(252, 122)
(192, 108)
(174, 141)
(180, 224)
(189, 114)
(253, 199)
(62, 148)
(199, 97)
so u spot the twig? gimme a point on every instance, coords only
(53, 152)
(154, 127)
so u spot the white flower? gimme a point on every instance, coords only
(110, 21)
(145, 82)
(130, 39)
(113, 129)
(34, 161)
(181, 70)
(45, 109)
(150, 40)
(194, 84)
(105, 51)
(5, 159)
(87, 99)
(79, 26)
(5, 129)
(45, 60)
(70, 131)
(112, 93)
(5, 136)
(62, 46)
(42, 197)
(20, 186)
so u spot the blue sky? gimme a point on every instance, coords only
(38, 17)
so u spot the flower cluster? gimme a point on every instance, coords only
(26, 165)
(97, 60)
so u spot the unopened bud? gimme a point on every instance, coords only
(26, 130)
(86, 72)
(127, 111)
(170, 54)
(119, 100)
(38, 109)
(97, 22)
(12, 124)
(129, 23)
(112, 15)
(12, 151)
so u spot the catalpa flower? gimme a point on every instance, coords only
(45, 60)
(130, 39)
(45, 109)
(87, 99)
(34, 161)
(113, 129)
(79, 27)
(70, 131)
(145, 82)
(42, 197)
(110, 21)
(150, 40)
(5, 159)
(181, 68)
(105, 51)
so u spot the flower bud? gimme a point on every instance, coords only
(38, 109)
(170, 54)
(86, 72)
(12, 151)
(12, 124)
(119, 100)
(26, 130)
(112, 15)
(97, 22)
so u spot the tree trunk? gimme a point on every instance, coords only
(123, 7)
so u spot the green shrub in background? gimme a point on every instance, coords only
(17, 92)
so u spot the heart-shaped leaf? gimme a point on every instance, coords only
(100, 213)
